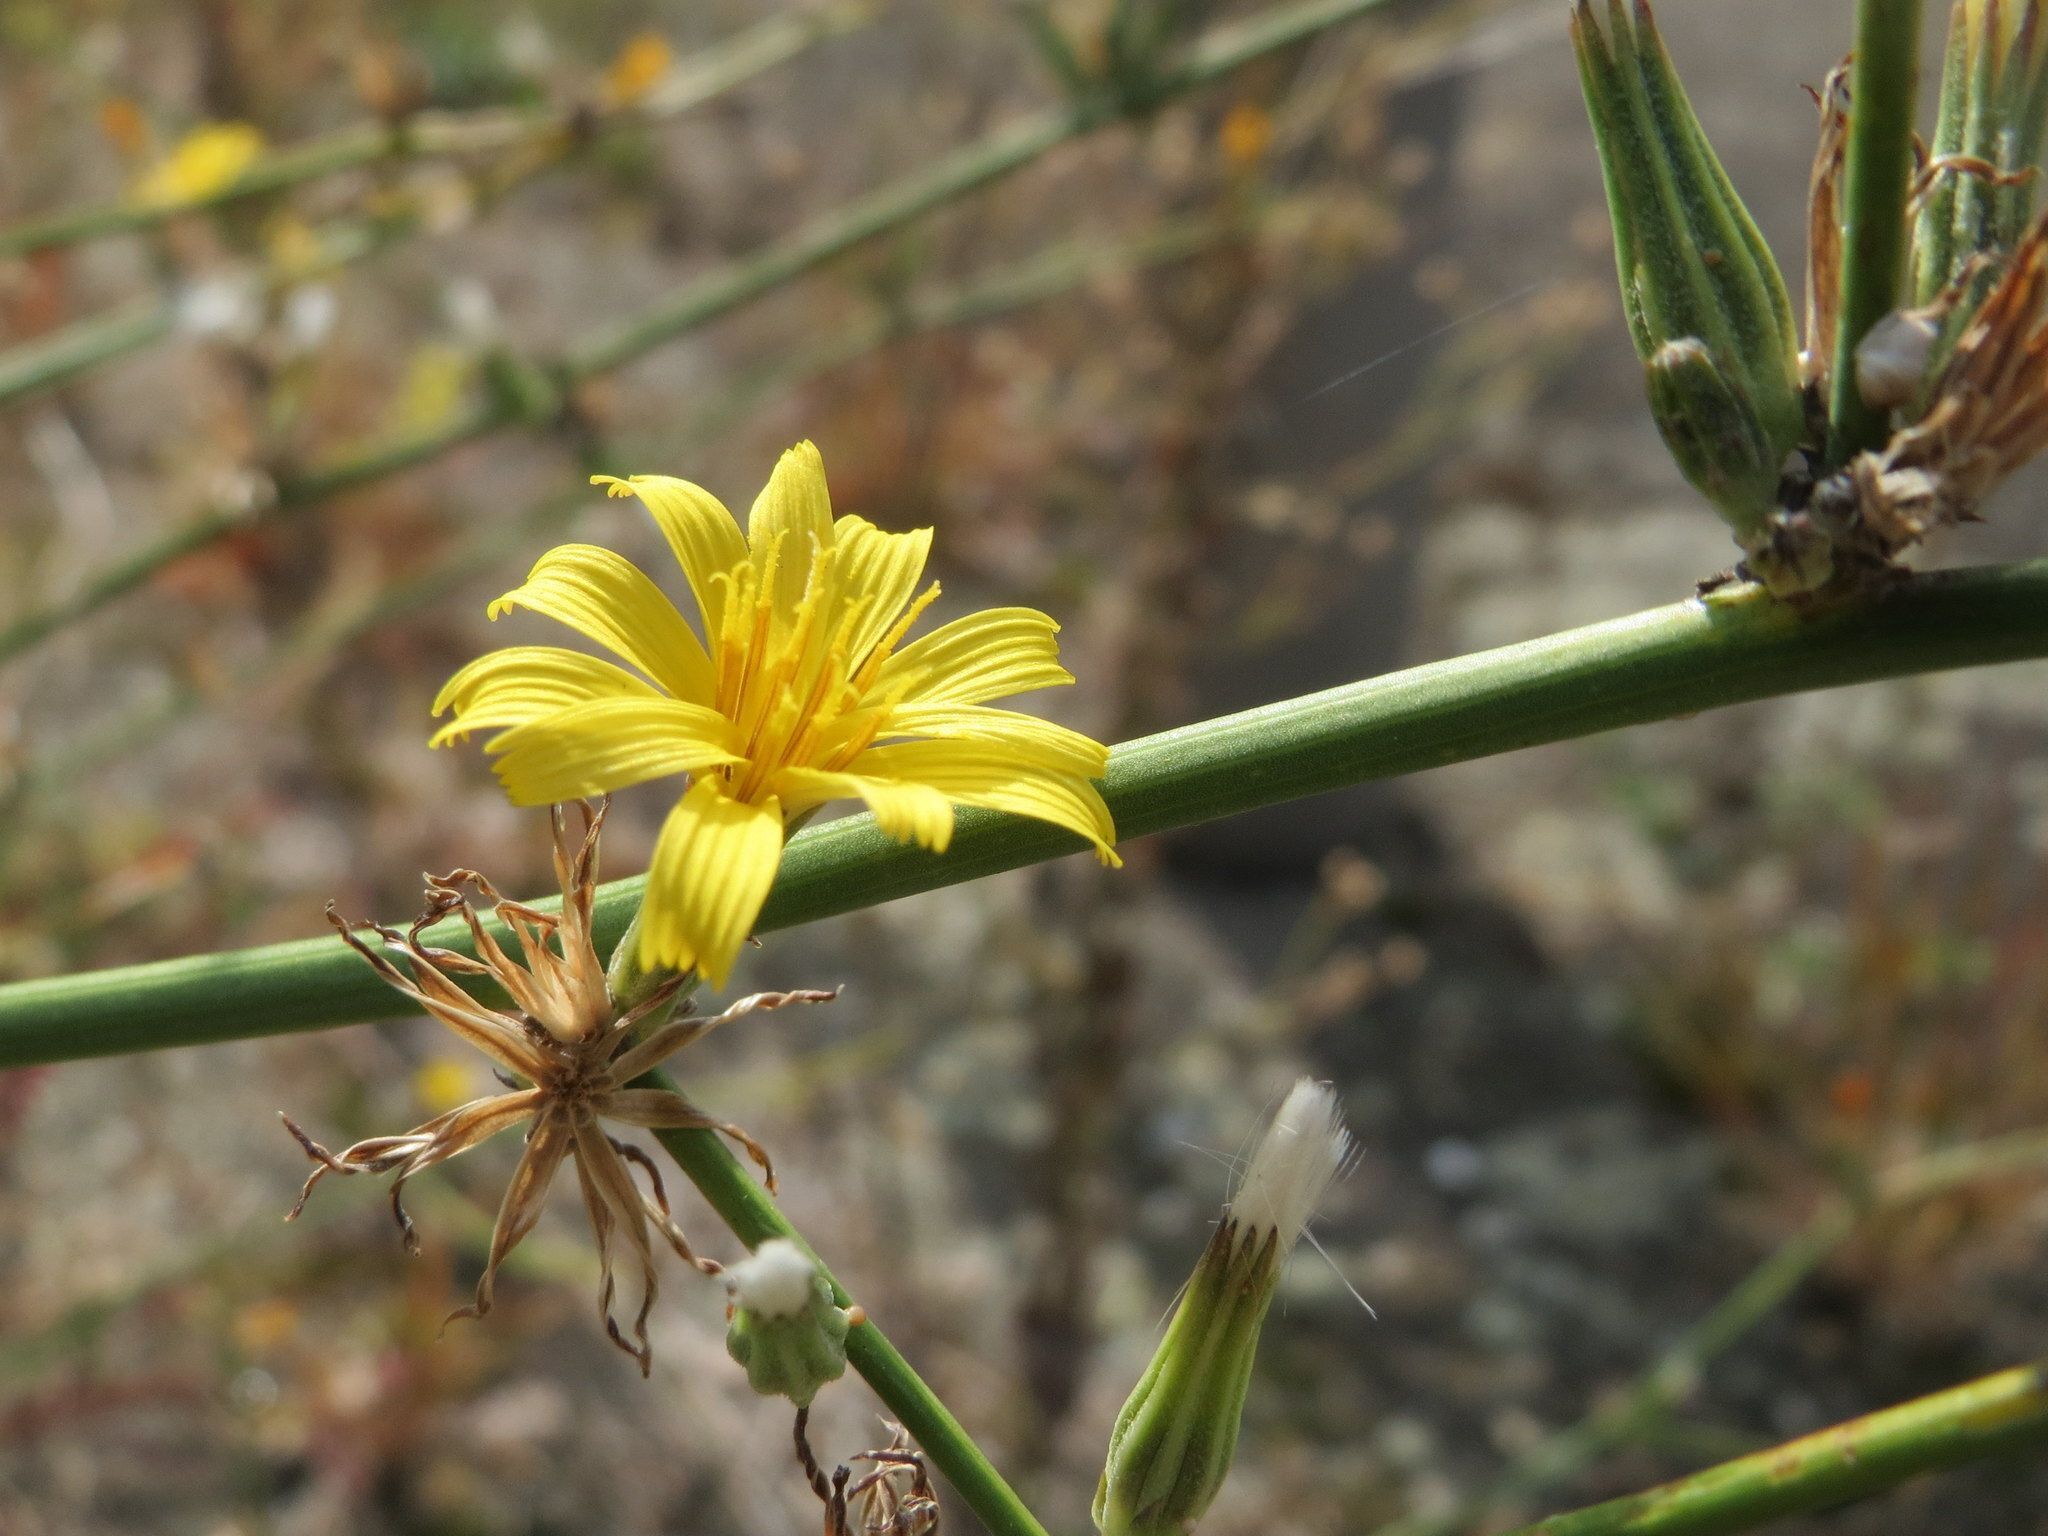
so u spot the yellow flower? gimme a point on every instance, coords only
(209, 159)
(801, 691)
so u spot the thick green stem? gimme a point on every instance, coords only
(699, 303)
(428, 135)
(1877, 181)
(1665, 662)
(1994, 1416)
(754, 1217)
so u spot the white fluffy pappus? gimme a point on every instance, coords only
(1303, 1150)
(775, 1280)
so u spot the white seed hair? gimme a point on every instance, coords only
(775, 1280)
(1304, 1148)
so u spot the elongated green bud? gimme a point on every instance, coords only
(1694, 270)
(1173, 1441)
(782, 1325)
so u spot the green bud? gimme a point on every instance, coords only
(1173, 1442)
(1693, 269)
(783, 1326)
(1713, 432)
(1988, 132)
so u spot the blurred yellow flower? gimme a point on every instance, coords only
(209, 159)
(1245, 132)
(638, 68)
(801, 692)
(443, 1084)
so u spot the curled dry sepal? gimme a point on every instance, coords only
(1174, 1439)
(893, 1498)
(1962, 368)
(577, 1054)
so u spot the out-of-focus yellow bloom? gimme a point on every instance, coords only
(1244, 135)
(209, 159)
(638, 68)
(443, 1084)
(801, 691)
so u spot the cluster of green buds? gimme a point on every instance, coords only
(1174, 1440)
(783, 1326)
(1705, 300)
(1956, 374)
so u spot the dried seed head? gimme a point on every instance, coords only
(581, 1055)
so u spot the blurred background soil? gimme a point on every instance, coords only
(1316, 375)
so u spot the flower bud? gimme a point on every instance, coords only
(1174, 1439)
(1694, 270)
(782, 1324)
(1713, 433)
(1988, 130)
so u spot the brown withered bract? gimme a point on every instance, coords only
(895, 1498)
(1824, 228)
(1987, 413)
(578, 1054)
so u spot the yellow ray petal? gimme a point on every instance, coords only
(712, 867)
(523, 683)
(880, 571)
(611, 600)
(908, 812)
(703, 535)
(983, 656)
(1040, 743)
(983, 774)
(592, 749)
(795, 508)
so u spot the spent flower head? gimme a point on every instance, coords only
(803, 688)
(577, 1055)
(1173, 1442)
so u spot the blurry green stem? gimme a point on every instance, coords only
(696, 305)
(64, 354)
(754, 1217)
(1647, 666)
(428, 135)
(1878, 179)
(1993, 1416)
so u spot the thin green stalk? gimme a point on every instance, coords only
(1994, 1416)
(1670, 661)
(440, 135)
(699, 303)
(63, 354)
(754, 1217)
(1877, 180)
(1759, 1293)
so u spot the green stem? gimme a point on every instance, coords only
(699, 303)
(64, 354)
(1993, 1416)
(1876, 182)
(754, 1217)
(1665, 662)
(432, 135)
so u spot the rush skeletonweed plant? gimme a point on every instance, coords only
(576, 1054)
(803, 689)
(1957, 372)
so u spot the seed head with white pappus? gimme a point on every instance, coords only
(1174, 1440)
